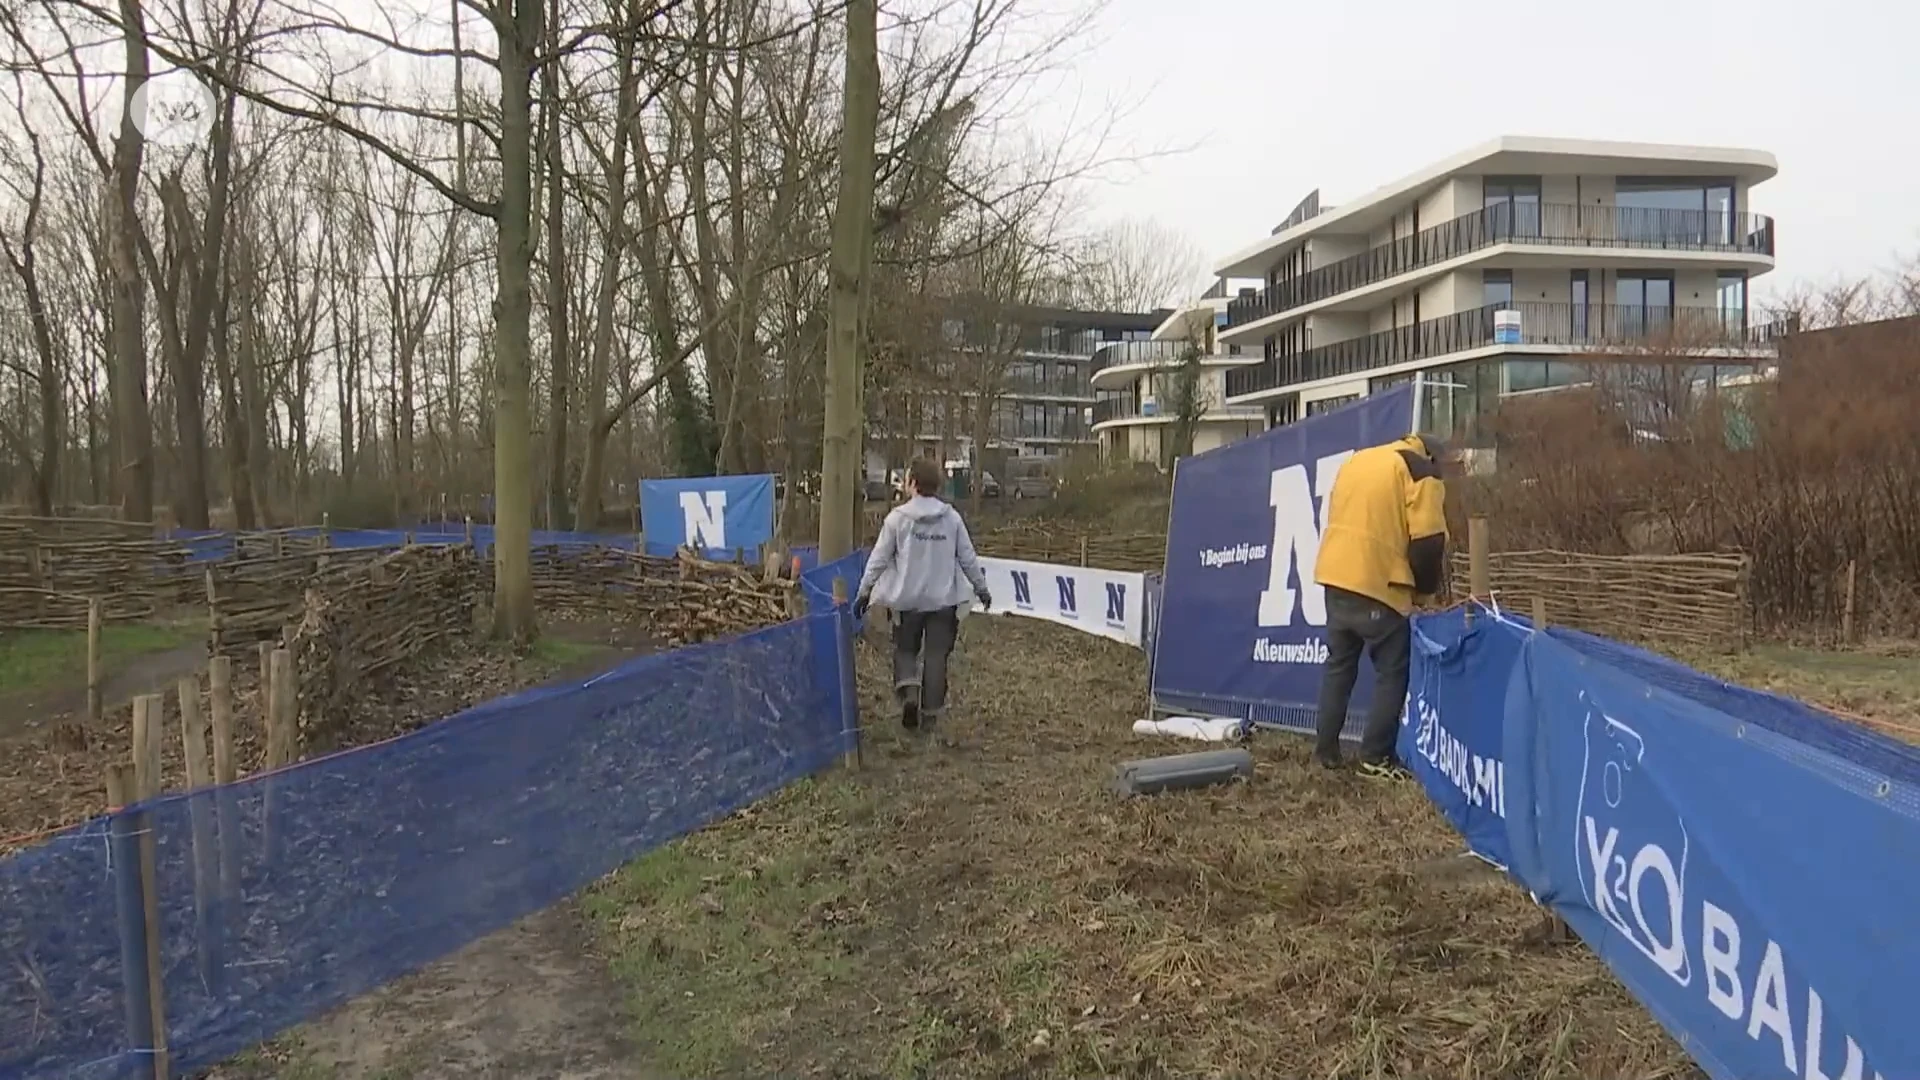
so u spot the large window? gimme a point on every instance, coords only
(1496, 288)
(1577, 303)
(1731, 299)
(1644, 299)
(1315, 408)
(1675, 210)
(1513, 205)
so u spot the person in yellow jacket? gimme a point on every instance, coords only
(1382, 550)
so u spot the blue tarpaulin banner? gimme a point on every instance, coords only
(1744, 863)
(1452, 731)
(1241, 622)
(715, 514)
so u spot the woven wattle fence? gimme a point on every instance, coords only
(1697, 600)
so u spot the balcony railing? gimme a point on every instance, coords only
(1601, 327)
(1554, 224)
(1116, 353)
(1127, 408)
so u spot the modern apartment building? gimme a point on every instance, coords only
(1517, 266)
(1140, 386)
(1046, 393)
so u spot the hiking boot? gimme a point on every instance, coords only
(1327, 761)
(910, 713)
(1385, 770)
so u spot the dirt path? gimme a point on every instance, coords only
(534, 1000)
(27, 711)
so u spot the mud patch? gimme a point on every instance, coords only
(534, 1000)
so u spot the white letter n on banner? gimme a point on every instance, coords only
(706, 517)
(1297, 524)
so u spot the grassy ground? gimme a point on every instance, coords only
(991, 911)
(1878, 683)
(32, 659)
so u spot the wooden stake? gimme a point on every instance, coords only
(280, 710)
(1846, 615)
(1539, 613)
(124, 834)
(1479, 573)
(146, 748)
(220, 699)
(850, 706)
(213, 611)
(93, 661)
(1083, 549)
(193, 737)
(225, 772)
(146, 771)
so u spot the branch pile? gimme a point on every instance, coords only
(256, 599)
(362, 618)
(679, 600)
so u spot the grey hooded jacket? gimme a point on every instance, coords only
(923, 560)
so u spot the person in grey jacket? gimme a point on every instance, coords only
(923, 567)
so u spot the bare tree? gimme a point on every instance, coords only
(1138, 265)
(850, 264)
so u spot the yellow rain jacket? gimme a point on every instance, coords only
(1385, 525)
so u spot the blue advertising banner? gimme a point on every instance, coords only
(1754, 890)
(1743, 863)
(1452, 734)
(715, 514)
(1241, 621)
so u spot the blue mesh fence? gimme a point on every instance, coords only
(816, 585)
(285, 895)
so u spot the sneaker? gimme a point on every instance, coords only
(1384, 770)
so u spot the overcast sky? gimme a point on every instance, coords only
(1279, 98)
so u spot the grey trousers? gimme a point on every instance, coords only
(922, 643)
(1354, 623)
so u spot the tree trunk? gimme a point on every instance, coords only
(133, 432)
(513, 610)
(560, 379)
(848, 267)
(607, 291)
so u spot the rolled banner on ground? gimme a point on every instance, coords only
(1180, 772)
(1212, 729)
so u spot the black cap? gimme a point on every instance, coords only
(1436, 446)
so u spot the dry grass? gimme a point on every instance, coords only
(991, 911)
(1877, 683)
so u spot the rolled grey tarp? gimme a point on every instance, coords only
(1179, 772)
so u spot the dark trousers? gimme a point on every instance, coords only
(922, 642)
(1356, 622)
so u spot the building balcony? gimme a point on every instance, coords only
(1116, 412)
(1609, 329)
(1542, 225)
(1119, 363)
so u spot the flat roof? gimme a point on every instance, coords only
(1510, 154)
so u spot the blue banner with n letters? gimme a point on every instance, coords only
(1744, 863)
(715, 514)
(1241, 623)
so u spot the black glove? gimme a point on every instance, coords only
(985, 598)
(860, 605)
